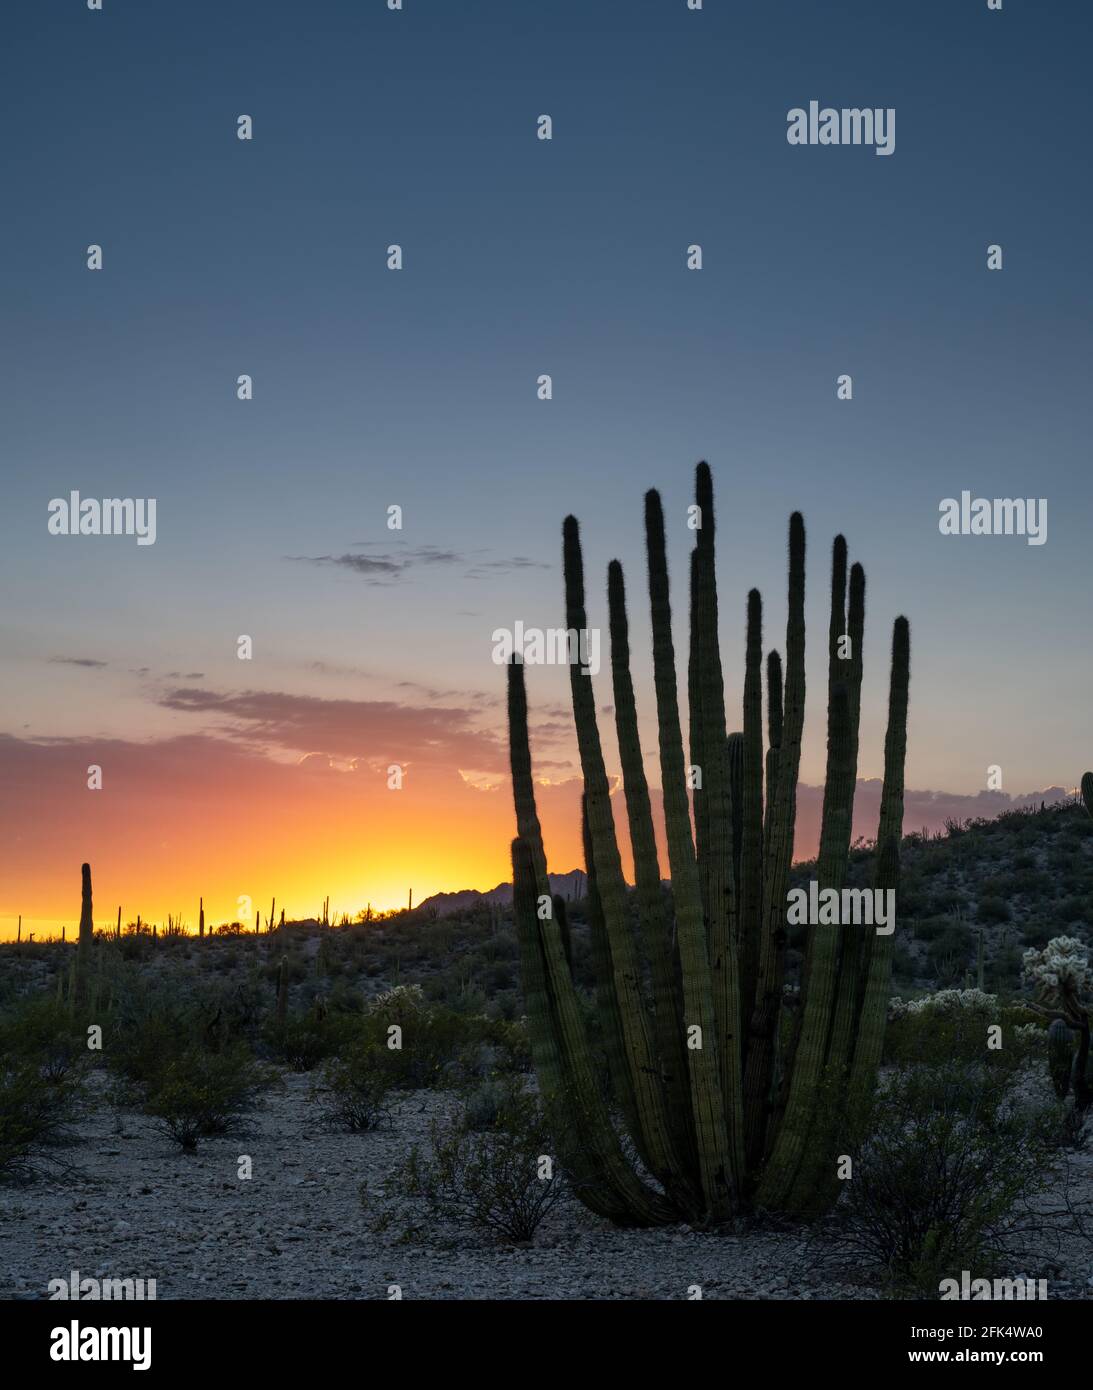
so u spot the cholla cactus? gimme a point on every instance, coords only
(400, 999)
(1060, 970)
(1060, 973)
(944, 1001)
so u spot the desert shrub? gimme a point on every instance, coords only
(306, 1039)
(1073, 909)
(993, 909)
(35, 1119)
(502, 1183)
(493, 1102)
(355, 1092)
(1038, 933)
(930, 928)
(904, 961)
(198, 1094)
(949, 951)
(438, 1046)
(943, 1180)
(1004, 970)
(38, 1029)
(145, 1040)
(952, 1025)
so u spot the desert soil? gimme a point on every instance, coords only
(134, 1206)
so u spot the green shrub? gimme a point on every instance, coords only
(949, 952)
(502, 1183)
(941, 1183)
(437, 1047)
(953, 1026)
(35, 1119)
(993, 909)
(306, 1039)
(40, 1030)
(198, 1094)
(355, 1092)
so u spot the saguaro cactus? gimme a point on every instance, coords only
(201, 916)
(83, 945)
(723, 1104)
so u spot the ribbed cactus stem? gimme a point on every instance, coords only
(201, 917)
(778, 852)
(652, 916)
(1087, 791)
(587, 1144)
(652, 1133)
(734, 756)
(806, 1063)
(876, 964)
(717, 869)
(750, 905)
(561, 918)
(698, 1005)
(697, 769)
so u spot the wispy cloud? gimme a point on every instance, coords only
(363, 730)
(87, 661)
(387, 566)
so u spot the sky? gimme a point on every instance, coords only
(417, 388)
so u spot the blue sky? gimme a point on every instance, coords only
(522, 257)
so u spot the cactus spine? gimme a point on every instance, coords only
(690, 1019)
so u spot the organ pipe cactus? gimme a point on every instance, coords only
(724, 1105)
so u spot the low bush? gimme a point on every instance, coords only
(502, 1182)
(35, 1119)
(198, 1094)
(355, 1092)
(943, 1181)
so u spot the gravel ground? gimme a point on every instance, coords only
(135, 1207)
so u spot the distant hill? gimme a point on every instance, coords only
(972, 898)
(570, 886)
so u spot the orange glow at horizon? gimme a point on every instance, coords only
(197, 818)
